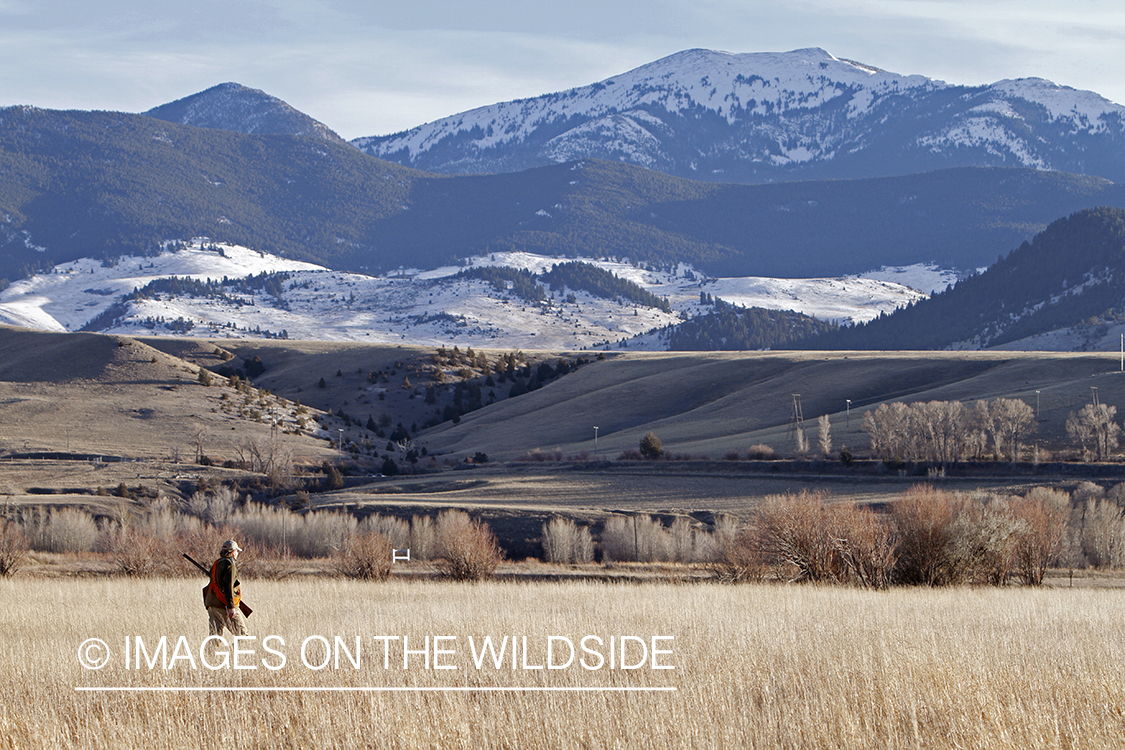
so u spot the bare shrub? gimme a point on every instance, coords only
(322, 534)
(202, 543)
(396, 530)
(65, 530)
(691, 544)
(566, 542)
(144, 543)
(865, 545)
(795, 534)
(1102, 533)
(135, 552)
(924, 519)
(538, 455)
(13, 547)
(618, 539)
(1116, 493)
(1044, 512)
(423, 538)
(761, 452)
(268, 527)
(365, 555)
(466, 550)
(739, 557)
(637, 539)
(318, 534)
(985, 535)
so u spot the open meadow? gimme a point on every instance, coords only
(126, 439)
(754, 666)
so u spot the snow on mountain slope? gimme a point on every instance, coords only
(430, 307)
(73, 293)
(730, 85)
(764, 116)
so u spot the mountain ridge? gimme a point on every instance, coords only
(102, 185)
(761, 117)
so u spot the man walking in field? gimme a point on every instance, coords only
(223, 593)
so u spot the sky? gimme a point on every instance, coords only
(371, 67)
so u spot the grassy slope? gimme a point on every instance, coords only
(712, 403)
(99, 397)
(696, 402)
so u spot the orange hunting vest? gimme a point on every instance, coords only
(218, 592)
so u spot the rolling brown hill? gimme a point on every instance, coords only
(113, 395)
(142, 399)
(119, 395)
(706, 404)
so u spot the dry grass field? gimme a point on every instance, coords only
(755, 666)
(767, 666)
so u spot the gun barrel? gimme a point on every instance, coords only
(193, 562)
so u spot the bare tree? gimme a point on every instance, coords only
(1044, 513)
(801, 444)
(1095, 426)
(271, 456)
(824, 434)
(1011, 421)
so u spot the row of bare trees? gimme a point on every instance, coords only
(949, 431)
(929, 537)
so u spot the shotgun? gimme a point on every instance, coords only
(243, 606)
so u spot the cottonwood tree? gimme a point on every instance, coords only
(1012, 420)
(1094, 426)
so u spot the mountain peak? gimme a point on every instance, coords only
(241, 109)
(766, 116)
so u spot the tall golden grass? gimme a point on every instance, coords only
(755, 666)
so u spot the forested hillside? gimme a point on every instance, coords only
(1072, 272)
(732, 328)
(99, 184)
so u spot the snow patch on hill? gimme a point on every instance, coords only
(417, 306)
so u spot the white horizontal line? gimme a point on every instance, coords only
(375, 689)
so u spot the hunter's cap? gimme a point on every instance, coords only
(231, 545)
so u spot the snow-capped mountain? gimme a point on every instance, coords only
(767, 116)
(261, 295)
(237, 108)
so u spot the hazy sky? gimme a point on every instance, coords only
(368, 67)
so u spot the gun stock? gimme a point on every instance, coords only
(242, 606)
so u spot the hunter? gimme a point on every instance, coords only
(223, 593)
